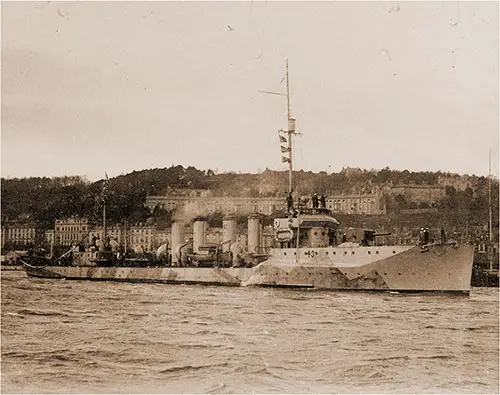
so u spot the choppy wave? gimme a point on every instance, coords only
(41, 312)
(187, 368)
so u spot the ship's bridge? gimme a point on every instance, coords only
(315, 228)
(308, 218)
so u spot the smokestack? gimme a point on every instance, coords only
(177, 240)
(254, 229)
(199, 230)
(228, 232)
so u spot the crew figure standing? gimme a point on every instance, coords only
(323, 201)
(315, 200)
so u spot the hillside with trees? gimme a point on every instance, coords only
(45, 199)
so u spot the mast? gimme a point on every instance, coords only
(490, 244)
(104, 198)
(291, 130)
(489, 196)
(104, 223)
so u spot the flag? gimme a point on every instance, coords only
(285, 149)
(282, 139)
(283, 79)
(285, 160)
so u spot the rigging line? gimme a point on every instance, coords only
(274, 93)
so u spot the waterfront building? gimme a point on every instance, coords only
(50, 237)
(71, 231)
(137, 237)
(141, 237)
(113, 232)
(17, 234)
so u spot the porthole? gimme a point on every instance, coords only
(369, 252)
(345, 273)
(399, 274)
(315, 233)
(376, 252)
(353, 252)
(284, 253)
(295, 253)
(385, 274)
(345, 252)
(333, 252)
(358, 274)
(393, 252)
(326, 252)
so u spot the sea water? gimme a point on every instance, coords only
(104, 337)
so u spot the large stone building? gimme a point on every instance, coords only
(369, 204)
(357, 204)
(20, 234)
(70, 231)
(199, 205)
(137, 237)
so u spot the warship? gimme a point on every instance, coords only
(309, 251)
(307, 255)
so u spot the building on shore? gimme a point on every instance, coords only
(70, 231)
(201, 205)
(16, 234)
(137, 237)
(369, 204)
(357, 204)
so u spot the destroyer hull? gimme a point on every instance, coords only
(411, 269)
(437, 268)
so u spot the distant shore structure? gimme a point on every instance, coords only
(368, 204)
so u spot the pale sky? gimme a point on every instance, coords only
(94, 87)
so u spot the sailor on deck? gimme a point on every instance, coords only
(315, 200)
(323, 201)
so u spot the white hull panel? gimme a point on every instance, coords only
(439, 268)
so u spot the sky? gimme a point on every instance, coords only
(95, 87)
